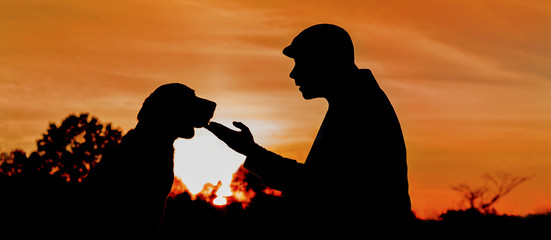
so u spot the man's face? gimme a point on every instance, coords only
(312, 77)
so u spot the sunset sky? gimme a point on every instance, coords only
(470, 80)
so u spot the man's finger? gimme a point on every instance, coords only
(217, 128)
(241, 126)
(212, 126)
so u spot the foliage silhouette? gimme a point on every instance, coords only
(42, 191)
(71, 149)
(12, 163)
(34, 200)
(66, 152)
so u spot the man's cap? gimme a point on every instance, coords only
(322, 41)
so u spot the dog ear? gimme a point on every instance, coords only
(148, 110)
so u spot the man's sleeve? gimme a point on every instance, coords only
(276, 171)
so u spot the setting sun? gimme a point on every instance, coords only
(220, 201)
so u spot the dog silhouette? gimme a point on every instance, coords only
(130, 184)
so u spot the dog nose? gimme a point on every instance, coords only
(212, 104)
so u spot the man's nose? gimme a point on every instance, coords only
(293, 73)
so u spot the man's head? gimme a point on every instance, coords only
(174, 110)
(323, 53)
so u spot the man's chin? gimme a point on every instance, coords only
(308, 96)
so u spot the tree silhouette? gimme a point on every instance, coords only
(11, 164)
(472, 196)
(41, 191)
(483, 198)
(71, 149)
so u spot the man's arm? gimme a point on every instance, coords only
(276, 171)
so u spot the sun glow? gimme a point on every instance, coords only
(204, 159)
(222, 195)
(202, 162)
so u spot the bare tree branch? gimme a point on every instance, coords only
(483, 198)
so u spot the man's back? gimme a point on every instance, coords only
(357, 165)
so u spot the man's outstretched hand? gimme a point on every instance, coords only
(240, 141)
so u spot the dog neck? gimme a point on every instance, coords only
(156, 133)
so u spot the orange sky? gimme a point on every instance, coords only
(470, 80)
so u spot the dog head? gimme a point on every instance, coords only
(174, 110)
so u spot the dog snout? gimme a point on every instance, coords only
(208, 105)
(204, 111)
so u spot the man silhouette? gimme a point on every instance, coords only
(356, 171)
